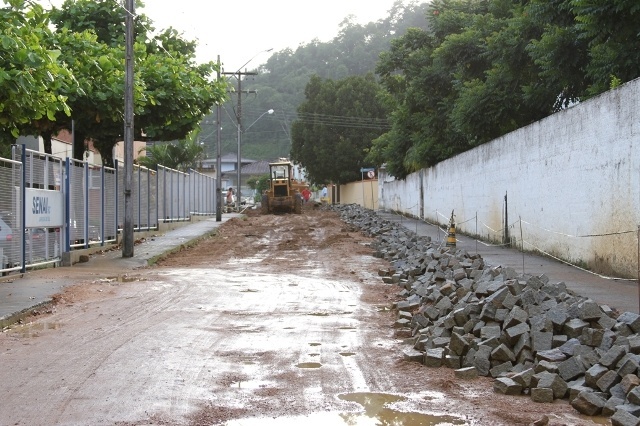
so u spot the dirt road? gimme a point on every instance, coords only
(274, 320)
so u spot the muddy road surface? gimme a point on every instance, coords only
(275, 320)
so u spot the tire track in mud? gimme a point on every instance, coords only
(171, 348)
(126, 326)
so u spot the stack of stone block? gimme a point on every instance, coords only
(534, 337)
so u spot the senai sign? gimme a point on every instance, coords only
(44, 208)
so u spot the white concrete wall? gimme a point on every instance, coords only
(570, 176)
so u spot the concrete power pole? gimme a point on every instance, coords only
(218, 157)
(127, 231)
(239, 75)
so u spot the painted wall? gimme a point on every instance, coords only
(363, 193)
(571, 181)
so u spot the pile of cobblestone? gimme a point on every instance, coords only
(532, 336)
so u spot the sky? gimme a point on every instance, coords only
(241, 31)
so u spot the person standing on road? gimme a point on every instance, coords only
(306, 195)
(229, 196)
(323, 194)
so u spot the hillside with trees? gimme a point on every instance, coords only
(437, 79)
(486, 68)
(281, 81)
(456, 73)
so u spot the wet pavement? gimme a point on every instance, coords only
(282, 317)
(22, 292)
(619, 294)
(19, 293)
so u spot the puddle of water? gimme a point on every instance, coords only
(315, 344)
(319, 314)
(289, 328)
(375, 414)
(347, 353)
(346, 328)
(249, 290)
(309, 365)
(314, 354)
(375, 406)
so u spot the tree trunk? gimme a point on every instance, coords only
(79, 144)
(46, 139)
(105, 148)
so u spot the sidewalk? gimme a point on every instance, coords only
(618, 294)
(19, 293)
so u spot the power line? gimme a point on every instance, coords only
(337, 121)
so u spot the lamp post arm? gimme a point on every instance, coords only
(252, 58)
(262, 115)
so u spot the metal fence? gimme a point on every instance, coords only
(11, 173)
(50, 205)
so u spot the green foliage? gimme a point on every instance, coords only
(281, 82)
(610, 29)
(31, 76)
(181, 155)
(171, 92)
(105, 18)
(615, 82)
(336, 126)
(259, 184)
(485, 68)
(455, 74)
(76, 74)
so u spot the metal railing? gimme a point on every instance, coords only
(75, 205)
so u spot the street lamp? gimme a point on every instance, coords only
(239, 75)
(240, 131)
(269, 111)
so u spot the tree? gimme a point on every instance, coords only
(172, 93)
(610, 29)
(485, 68)
(181, 155)
(259, 184)
(97, 100)
(336, 126)
(560, 53)
(282, 79)
(31, 76)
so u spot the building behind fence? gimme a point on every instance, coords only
(51, 205)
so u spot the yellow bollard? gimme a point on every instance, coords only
(451, 236)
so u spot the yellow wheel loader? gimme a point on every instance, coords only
(283, 195)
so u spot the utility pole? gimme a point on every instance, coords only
(239, 75)
(218, 157)
(127, 231)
